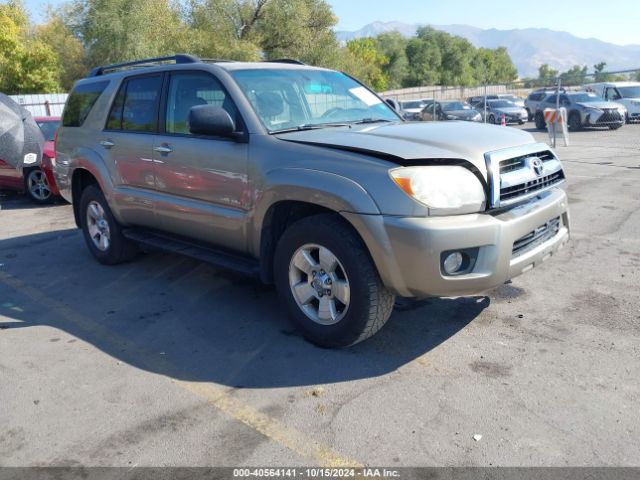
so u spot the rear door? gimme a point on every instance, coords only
(202, 184)
(127, 142)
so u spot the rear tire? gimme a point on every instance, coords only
(340, 299)
(492, 119)
(102, 232)
(36, 186)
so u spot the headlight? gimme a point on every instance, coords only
(444, 189)
(593, 110)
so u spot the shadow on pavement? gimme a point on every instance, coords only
(186, 320)
(10, 200)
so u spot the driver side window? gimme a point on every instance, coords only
(190, 89)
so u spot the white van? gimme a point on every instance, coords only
(626, 93)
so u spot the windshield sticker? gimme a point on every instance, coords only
(365, 95)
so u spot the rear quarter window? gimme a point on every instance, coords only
(80, 102)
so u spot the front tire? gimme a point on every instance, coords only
(37, 187)
(102, 233)
(492, 120)
(540, 123)
(575, 123)
(328, 282)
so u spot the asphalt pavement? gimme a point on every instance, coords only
(168, 362)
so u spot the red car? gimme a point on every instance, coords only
(37, 182)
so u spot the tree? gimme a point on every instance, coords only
(27, 65)
(254, 29)
(425, 59)
(576, 75)
(599, 76)
(119, 30)
(66, 46)
(393, 46)
(547, 75)
(372, 62)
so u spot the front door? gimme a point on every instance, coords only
(127, 142)
(202, 181)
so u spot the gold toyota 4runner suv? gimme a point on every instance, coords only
(306, 178)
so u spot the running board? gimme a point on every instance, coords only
(218, 258)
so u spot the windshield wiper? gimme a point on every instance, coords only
(310, 126)
(371, 120)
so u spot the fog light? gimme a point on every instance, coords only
(453, 263)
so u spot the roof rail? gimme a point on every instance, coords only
(286, 60)
(217, 60)
(180, 58)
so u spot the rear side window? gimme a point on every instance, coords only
(80, 102)
(135, 108)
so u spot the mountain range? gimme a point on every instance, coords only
(529, 47)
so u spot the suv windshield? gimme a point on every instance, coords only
(449, 107)
(585, 98)
(501, 104)
(291, 99)
(629, 92)
(406, 105)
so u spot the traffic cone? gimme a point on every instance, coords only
(503, 120)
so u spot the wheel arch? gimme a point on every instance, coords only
(294, 194)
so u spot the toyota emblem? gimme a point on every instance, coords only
(536, 165)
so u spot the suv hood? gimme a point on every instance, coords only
(417, 140)
(601, 105)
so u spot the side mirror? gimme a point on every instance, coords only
(212, 121)
(393, 104)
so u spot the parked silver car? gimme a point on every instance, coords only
(307, 179)
(497, 109)
(411, 109)
(584, 109)
(534, 98)
(449, 110)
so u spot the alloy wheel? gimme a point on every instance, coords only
(319, 284)
(98, 226)
(38, 185)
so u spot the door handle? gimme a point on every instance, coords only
(163, 149)
(107, 143)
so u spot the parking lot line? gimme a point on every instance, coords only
(215, 395)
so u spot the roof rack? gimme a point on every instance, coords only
(147, 62)
(286, 60)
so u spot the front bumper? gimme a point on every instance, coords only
(47, 168)
(408, 250)
(606, 119)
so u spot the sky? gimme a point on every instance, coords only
(614, 21)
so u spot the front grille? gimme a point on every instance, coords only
(610, 116)
(531, 186)
(518, 162)
(536, 237)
